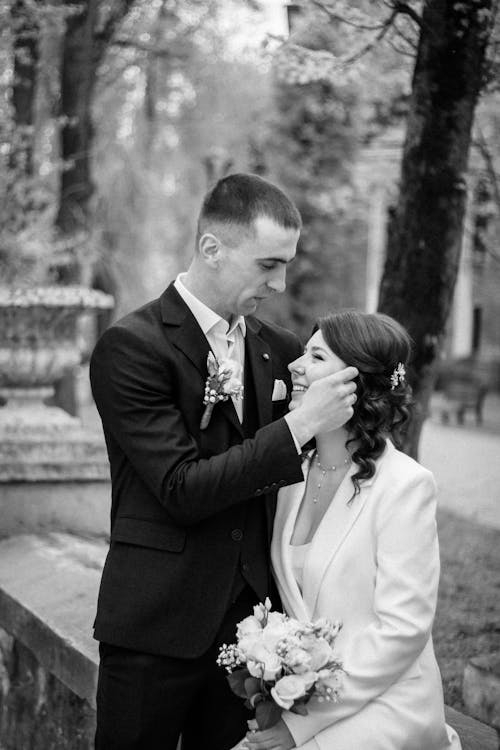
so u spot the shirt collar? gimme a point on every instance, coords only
(205, 316)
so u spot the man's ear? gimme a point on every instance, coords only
(209, 248)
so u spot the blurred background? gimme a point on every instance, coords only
(381, 120)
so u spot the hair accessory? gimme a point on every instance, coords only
(398, 375)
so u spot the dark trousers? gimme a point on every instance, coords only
(145, 701)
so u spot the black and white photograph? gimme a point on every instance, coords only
(249, 375)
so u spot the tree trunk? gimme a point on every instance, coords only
(26, 52)
(82, 52)
(77, 84)
(425, 230)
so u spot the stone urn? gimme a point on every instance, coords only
(39, 343)
(41, 340)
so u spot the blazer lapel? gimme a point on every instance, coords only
(330, 534)
(289, 499)
(187, 336)
(185, 333)
(259, 357)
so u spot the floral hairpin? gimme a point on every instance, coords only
(398, 375)
(222, 382)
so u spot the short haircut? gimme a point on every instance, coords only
(239, 199)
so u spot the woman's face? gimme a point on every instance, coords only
(317, 361)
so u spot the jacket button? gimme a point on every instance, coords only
(237, 535)
(258, 492)
(245, 567)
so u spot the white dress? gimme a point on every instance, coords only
(298, 554)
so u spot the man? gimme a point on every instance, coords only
(192, 509)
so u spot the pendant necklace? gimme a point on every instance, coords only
(324, 470)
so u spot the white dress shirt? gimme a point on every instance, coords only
(226, 340)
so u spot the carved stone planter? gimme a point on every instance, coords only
(39, 343)
(54, 473)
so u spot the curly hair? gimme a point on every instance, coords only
(375, 344)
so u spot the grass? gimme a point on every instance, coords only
(468, 615)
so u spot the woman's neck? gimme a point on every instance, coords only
(330, 447)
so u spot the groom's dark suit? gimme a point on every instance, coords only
(192, 510)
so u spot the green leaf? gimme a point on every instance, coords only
(252, 686)
(299, 708)
(267, 714)
(255, 699)
(237, 682)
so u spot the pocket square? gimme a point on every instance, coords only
(279, 390)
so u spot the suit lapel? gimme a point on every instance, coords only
(259, 359)
(185, 333)
(331, 533)
(187, 336)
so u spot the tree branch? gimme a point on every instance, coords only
(371, 44)
(335, 17)
(103, 37)
(404, 37)
(406, 10)
(400, 50)
(173, 51)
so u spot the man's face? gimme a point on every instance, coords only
(256, 268)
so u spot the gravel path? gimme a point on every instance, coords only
(466, 462)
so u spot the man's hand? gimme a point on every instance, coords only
(326, 405)
(275, 738)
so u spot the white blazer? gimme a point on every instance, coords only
(374, 565)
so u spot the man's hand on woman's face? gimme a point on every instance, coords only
(326, 405)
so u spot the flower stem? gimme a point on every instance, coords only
(205, 419)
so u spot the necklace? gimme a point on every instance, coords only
(324, 470)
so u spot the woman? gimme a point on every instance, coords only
(356, 542)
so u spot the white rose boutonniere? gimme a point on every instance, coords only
(223, 382)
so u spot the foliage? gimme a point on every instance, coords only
(468, 609)
(153, 144)
(309, 147)
(451, 67)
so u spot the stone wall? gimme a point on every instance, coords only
(48, 658)
(37, 711)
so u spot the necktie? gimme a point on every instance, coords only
(233, 353)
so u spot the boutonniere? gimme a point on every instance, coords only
(223, 381)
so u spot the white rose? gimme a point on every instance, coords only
(320, 653)
(298, 660)
(248, 626)
(248, 644)
(275, 630)
(261, 611)
(230, 367)
(288, 689)
(263, 663)
(232, 387)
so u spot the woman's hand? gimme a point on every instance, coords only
(276, 738)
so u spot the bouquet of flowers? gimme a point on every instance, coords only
(279, 663)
